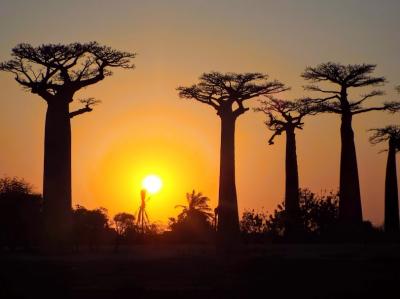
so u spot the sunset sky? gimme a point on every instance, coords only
(142, 127)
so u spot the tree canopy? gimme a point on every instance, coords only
(283, 114)
(388, 133)
(220, 90)
(346, 76)
(56, 71)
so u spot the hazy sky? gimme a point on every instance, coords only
(142, 126)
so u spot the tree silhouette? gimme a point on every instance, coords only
(284, 116)
(56, 72)
(20, 214)
(194, 222)
(347, 77)
(319, 215)
(124, 222)
(124, 225)
(253, 222)
(226, 93)
(197, 205)
(391, 135)
(89, 226)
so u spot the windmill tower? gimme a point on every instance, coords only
(143, 219)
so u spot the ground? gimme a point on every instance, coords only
(178, 271)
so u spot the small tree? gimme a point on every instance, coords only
(123, 223)
(56, 72)
(253, 222)
(391, 135)
(285, 116)
(227, 93)
(347, 77)
(124, 227)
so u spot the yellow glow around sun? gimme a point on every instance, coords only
(152, 183)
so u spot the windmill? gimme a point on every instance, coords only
(143, 219)
(151, 184)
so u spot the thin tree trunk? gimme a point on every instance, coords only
(391, 193)
(57, 173)
(228, 221)
(350, 212)
(292, 225)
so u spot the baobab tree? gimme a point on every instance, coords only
(284, 116)
(226, 93)
(55, 72)
(336, 100)
(391, 135)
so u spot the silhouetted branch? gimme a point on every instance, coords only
(388, 106)
(367, 96)
(283, 115)
(388, 133)
(204, 96)
(271, 140)
(89, 102)
(317, 88)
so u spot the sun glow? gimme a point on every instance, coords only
(152, 183)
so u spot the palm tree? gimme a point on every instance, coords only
(197, 207)
(194, 223)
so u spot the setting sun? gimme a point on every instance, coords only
(152, 183)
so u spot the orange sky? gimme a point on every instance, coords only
(142, 127)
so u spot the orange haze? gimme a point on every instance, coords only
(142, 127)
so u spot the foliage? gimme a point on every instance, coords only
(388, 133)
(346, 76)
(220, 90)
(20, 214)
(253, 222)
(197, 205)
(319, 215)
(194, 223)
(56, 71)
(124, 223)
(90, 227)
(285, 115)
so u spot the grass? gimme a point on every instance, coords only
(179, 271)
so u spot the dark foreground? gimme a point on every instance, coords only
(270, 271)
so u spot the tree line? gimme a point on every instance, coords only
(22, 219)
(56, 72)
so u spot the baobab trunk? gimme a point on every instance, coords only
(391, 195)
(350, 213)
(228, 222)
(57, 173)
(292, 208)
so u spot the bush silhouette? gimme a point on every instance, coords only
(20, 214)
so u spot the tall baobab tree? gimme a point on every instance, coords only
(226, 93)
(284, 116)
(391, 135)
(56, 72)
(336, 100)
